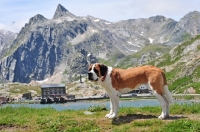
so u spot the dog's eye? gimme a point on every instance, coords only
(90, 69)
(96, 71)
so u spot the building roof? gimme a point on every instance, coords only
(26, 93)
(52, 85)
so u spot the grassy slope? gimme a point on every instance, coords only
(177, 83)
(15, 89)
(149, 48)
(183, 118)
(128, 61)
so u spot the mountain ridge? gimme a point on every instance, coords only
(68, 44)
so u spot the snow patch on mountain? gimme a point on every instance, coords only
(151, 40)
(96, 20)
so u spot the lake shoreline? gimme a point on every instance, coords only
(84, 105)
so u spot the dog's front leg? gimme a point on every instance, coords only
(111, 109)
(114, 100)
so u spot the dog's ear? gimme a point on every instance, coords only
(103, 69)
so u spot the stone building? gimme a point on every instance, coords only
(53, 90)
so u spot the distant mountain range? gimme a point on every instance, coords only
(6, 40)
(67, 44)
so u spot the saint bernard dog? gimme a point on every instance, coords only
(118, 81)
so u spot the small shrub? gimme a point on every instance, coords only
(97, 108)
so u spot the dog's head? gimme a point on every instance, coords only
(96, 71)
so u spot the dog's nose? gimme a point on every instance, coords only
(89, 73)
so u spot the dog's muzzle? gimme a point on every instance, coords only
(90, 77)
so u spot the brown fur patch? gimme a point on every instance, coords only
(132, 77)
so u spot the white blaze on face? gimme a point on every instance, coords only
(94, 75)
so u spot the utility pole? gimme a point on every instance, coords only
(80, 79)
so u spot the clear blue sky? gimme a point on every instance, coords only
(15, 13)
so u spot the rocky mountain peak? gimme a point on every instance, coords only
(194, 15)
(61, 11)
(158, 18)
(37, 18)
(61, 8)
(191, 23)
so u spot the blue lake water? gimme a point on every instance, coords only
(85, 105)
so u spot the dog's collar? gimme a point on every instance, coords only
(104, 77)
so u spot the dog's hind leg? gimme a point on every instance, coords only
(168, 95)
(167, 98)
(163, 105)
(156, 82)
(160, 99)
(167, 106)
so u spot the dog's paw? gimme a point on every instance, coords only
(162, 117)
(107, 115)
(111, 116)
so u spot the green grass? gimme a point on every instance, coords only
(128, 119)
(182, 126)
